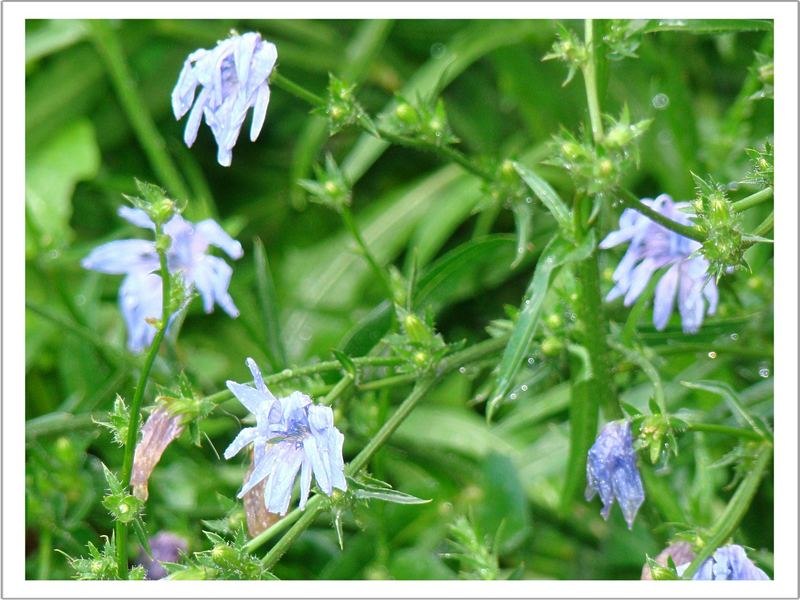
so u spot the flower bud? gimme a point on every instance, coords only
(552, 346)
(406, 113)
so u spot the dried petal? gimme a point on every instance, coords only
(158, 432)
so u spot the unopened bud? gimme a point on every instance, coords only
(552, 346)
(405, 112)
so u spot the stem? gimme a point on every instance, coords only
(590, 81)
(135, 108)
(45, 550)
(445, 152)
(753, 199)
(315, 505)
(387, 382)
(746, 434)
(341, 388)
(296, 90)
(277, 527)
(766, 225)
(380, 272)
(734, 512)
(320, 367)
(685, 230)
(136, 403)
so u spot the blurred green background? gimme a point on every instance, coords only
(502, 100)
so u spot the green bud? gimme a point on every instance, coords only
(618, 136)
(224, 555)
(336, 112)
(571, 150)
(552, 346)
(421, 358)
(507, 168)
(766, 73)
(331, 187)
(406, 113)
(606, 167)
(162, 211)
(554, 321)
(416, 330)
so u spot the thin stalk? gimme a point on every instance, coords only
(45, 551)
(340, 389)
(734, 511)
(392, 381)
(753, 199)
(445, 152)
(110, 50)
(136, 405)
(766, 225)
(57, 423)
(315, 505)
(277, 527)
(745, 434)
(320, 367)
(590, 81)
(380, 272)
(685, 230)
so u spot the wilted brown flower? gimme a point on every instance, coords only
(158, 432)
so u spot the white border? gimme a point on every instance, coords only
(786, 269)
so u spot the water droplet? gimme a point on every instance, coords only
(527, 302)
(734, 336)
(438, 50)
(462, 370)
(712, 355)
(53, 254)
(529, 200)
(513, 396)
(660, 101)
(733, 186)
(523, 387)
(665, 137)
(531, 360)
(764, 372)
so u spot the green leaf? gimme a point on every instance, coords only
(267, 302)
(50, 177)
(549, 198)
(708, 26)
(387, 495)
(557, 253)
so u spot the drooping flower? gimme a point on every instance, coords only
(652, 247)
(611, 471)
(727, 563)
(233, 78)
(291, 435)
(140, 293)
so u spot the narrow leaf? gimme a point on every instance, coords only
(549, 198)
(267, 302)
(736, 405)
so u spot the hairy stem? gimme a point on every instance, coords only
(753, 199)
(746, 434)
(734, 511)
(590, 81)
(136, 403)
(380, 272)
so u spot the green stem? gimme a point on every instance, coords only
(445, 152)
(277, 527)
(590, 81)
(315, 504)
(753, 199)
(136, 403)
(45, 550)
(110, 50)
(766, 225)
(746, 434)
(57, 423)
(685, 230)
(380, 272)
(320, 367)
(338, 390)
(392, 381)
(734, 512)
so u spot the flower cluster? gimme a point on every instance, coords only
(611, 471)
(652, 247)
(140, 295)
(233, 77)
(291, 435)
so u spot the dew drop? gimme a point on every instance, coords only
(733, 186)
(531, 360)
(462, 370)
(660, 101)
(513, 396)
(523, 387)
(528, 200)
(527, 302)
(734, 336)
(763, 372)
(712, 355)
(438, 50)
(53, 254)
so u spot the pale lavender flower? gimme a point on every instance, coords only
(727, 563)
(140, 295)
(233, 78)
(652, 247)
(611, 471)
(291, 435)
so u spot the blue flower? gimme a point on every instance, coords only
(291, 435)
(727, 563)
(140, 293)
(653, 247)
(611, 471)
(233, 78)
